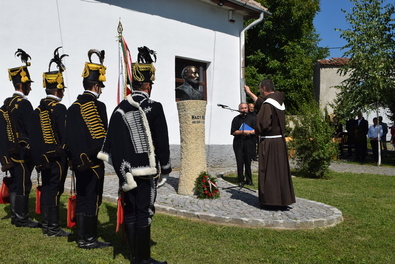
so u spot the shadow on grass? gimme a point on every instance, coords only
(118, 240)
(105, 228)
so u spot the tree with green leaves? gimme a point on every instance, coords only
(371, 49)
(285, 49)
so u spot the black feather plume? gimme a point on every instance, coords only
(58, 60)
(146, 55)
(24, 56)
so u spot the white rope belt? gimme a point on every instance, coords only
(275, 136)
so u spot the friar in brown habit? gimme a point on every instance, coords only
(274, 180)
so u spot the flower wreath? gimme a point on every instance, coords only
(206, 186)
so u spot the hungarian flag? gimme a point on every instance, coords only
(125, 70)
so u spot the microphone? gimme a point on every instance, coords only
(221, 105)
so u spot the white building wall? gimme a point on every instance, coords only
(190, 29)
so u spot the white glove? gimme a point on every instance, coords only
(130, 183)
(162, 179)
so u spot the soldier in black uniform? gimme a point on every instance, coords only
(46, 133)
(137, 144)
(86, 126)
(14, 148)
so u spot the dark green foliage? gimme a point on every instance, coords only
(253, 79)
(313, 141)
(284, 49)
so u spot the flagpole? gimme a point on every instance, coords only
(120, 60)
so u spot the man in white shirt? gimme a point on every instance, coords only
(375, 131)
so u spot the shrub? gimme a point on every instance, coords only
(312, 141)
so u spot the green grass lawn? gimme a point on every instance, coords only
(367, 234)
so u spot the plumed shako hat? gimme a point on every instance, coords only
(20, 74)
(54, 79)
(143, 70)
(93, 71)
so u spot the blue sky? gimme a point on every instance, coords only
(331, 17)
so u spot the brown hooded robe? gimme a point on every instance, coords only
(274, 180)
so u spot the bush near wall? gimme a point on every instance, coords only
(312, 141)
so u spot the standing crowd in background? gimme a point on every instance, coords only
(358, 132)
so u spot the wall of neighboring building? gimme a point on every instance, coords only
(188, 29)
(326, 78)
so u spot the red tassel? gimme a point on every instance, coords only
(4, 192)
(38, 203)
(71, 213)
(119, 213)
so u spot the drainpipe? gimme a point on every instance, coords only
(242, 56)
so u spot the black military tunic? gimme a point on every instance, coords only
(46, 134)
(137, 143)
(86, 126)
(14, 145)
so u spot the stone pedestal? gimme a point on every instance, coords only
(191, 114)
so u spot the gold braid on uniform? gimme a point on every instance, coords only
(92, 120)
(10, 134)
(46, 128)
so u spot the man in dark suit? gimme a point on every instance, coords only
(360, 130)
(350, 126)
(243, 132)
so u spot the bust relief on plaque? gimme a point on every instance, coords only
(189, 90)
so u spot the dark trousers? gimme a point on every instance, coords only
(360, 149)
(375, 151)
(89, 186)
(53, 179)
(139, 202)
(242, 149)
(20, 181)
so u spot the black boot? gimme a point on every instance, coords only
(22, 213)
(90, 234)
(80, 228)
(143, 246)
(130, 229)
(54, 229)
(44, 219)
(12, 207)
